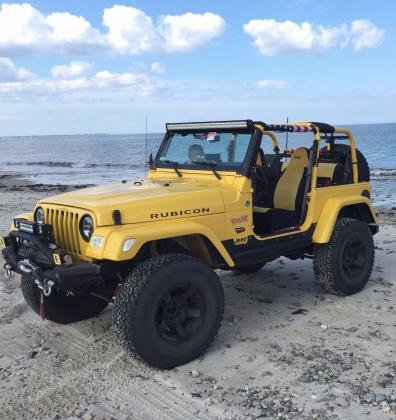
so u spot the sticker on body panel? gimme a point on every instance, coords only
(175, 213)
(241, 241)
(240, 219)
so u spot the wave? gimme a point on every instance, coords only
(110, 165)
(76, 165)
(381, 173)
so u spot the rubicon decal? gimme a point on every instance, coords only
(176, 213)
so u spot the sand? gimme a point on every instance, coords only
(286, 349)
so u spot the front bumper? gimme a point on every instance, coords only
(29, 253)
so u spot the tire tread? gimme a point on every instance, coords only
(130, 295)
(323, 254)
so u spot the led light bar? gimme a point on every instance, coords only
(34, 228)
(210, 125)
(25, 226)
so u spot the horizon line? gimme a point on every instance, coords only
(154, 132)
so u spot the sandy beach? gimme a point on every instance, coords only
(286, 349)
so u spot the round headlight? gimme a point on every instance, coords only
(86, 227)
(39, 215)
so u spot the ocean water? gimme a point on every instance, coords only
(102, 158)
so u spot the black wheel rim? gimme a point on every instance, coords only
(354, 258)
(180, 313)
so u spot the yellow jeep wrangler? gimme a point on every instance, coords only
(218, 195)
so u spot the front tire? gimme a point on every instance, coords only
(60, 308)
(168, 310)
(343, 266)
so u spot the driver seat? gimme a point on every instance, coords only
(288, 196)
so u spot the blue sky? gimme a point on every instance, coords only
(85, 67)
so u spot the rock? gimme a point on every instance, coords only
(385, 380)
(385, 408)
(196, 394)
(304, 379)
(195, 374)
(31, 354)
(300, 311)
(87, 416)
(369, 397)
(353, 329)
(380, 397)
(324, 327)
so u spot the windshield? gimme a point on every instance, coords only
(222, 150)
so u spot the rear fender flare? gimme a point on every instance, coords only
(334, 207)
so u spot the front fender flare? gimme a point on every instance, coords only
(116, 237)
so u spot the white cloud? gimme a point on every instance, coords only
(9, 72)
(130, 30)
(273, 37)
(272, 84)
(364, 34)
(157, 68)
(68, 71)
(184, 32)
(65, 81)
(24, 29)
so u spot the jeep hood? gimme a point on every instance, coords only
(144, 201)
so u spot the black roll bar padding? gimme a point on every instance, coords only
(251, 154)
(335, 137)
(263, 124)
(323, 127)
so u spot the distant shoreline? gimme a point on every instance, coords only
(151, 133)
(12, 182)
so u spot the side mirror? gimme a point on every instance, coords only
(151, 161)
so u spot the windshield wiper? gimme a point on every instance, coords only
(174, 166)
(210, 163)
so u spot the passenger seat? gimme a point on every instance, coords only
(288, 195)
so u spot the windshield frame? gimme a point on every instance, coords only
(243, 167)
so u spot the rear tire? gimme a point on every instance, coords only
(343, 266)
(168, 310)
(61, 308)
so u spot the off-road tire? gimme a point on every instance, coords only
(248, 269)
(327, 261)
(136, 308)
(61, 308)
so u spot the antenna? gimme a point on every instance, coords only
(145, 156)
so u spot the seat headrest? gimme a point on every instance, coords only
(299, 158)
